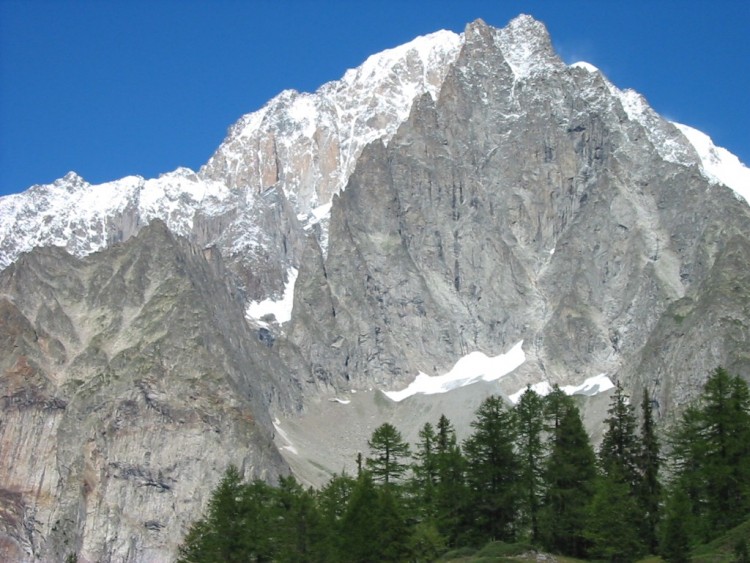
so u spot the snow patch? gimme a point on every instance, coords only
(719, 165)
(590, 387)
(472, 368)
(543, 388)
(279, 308)
(585, 66)
(289, 446)
(340, 401)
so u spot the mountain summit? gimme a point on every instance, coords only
(458, 216)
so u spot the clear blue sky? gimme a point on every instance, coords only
(109, 89)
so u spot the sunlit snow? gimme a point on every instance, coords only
(585, 66)
(279, 308)
(590, 387)
(340, 401)
(288, 447)
(470, 369)
(542, 389)
(719, 165)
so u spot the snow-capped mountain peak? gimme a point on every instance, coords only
(308, 143)
(717, 163)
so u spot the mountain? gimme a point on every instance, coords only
(459, 216)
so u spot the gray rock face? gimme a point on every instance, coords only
(523, 205)
(128, 381)
(496, 195)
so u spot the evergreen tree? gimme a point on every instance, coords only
(619, 451)
(614, 522)
(359, 542)
(530, 425)
(687, 465)
(218, 536)
(674, 544)
(450, 492)
(425, 473)
(570, 473)
(332, 502)
(492, 471)
(299, 530)
(236, 526)
(373, 527)
(649, 486)
(258, 536)
(556, 406)
(710, 456)
(726, 430)
(619, 458)
(388, 449)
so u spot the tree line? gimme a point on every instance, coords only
(527, 473)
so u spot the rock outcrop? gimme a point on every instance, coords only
(128, 381)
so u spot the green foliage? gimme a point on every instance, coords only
(221, 535)
(711, 457)
(570, 472)
(374, 525)
(730, 546)
(426, 543)
(675, 539)
(461, 553)
(388, 449)
(493, 470)
(531, 452)
(528, 472)
(613, 527)
(502, 549)
(619, 451)
(649, 489)
(451, 494)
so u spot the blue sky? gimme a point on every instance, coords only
(112, 88)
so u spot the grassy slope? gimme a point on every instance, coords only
(721, 550)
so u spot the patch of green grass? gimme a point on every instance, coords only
(727, 547)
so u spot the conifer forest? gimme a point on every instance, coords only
(528, 474)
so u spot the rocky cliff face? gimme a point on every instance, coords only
(454, 195)
(129, 380)
(525, 204)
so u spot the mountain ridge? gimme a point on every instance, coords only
(515, 203)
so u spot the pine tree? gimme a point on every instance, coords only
(613, 527)
(388, 451)
(619, 457)
(530, 425)
(451, 491)
(361, 519)
(619, 451)
(674, 544)
(649, 486)
(710, 456)
(425, 473)
(373, 527)
(556, 406)
(492, 471)
(237, 525)
(570, 473)
(726, 429)
(332, 502)
(298, 526)
(258, 532)
(218, 536)
(687, 469)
